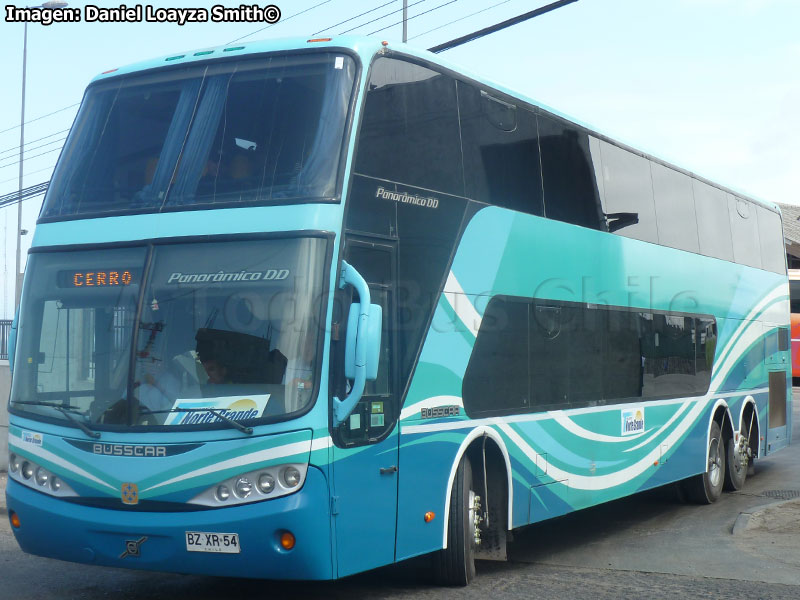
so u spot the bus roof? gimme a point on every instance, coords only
(366, 48)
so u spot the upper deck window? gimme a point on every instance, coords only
(254, 131)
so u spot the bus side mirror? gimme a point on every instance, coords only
(372, 341)
(362, 345)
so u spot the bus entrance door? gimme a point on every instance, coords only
(365, 466)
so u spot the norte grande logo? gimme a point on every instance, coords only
(200, 411)
(633, 420)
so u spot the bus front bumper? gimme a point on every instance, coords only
(67, 531)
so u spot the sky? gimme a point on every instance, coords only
(710, 85)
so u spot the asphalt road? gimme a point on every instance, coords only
(647, 546)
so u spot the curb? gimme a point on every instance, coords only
(742, 522)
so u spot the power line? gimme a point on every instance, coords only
(30, 157)
(16, 148)
(470, 37)
(42, 117)
(35, 148)
(24, 194)
(355, 17)
(279, 22)
(414, 17)
(477, 12)
(394, 12)
(30, 173)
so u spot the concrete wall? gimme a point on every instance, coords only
(5, 389)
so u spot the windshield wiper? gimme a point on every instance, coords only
(214, 411)
(52, 404)
(64, 410)
(84, 428)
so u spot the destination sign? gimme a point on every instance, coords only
(101, 278)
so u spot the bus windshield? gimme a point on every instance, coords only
(145, 337)
(259, 130)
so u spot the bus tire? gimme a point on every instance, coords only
(706, 488)
(455, 565)
(737, 465)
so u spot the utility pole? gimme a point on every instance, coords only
(405, 21)
(17, 278)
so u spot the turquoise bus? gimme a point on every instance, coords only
(298, 309)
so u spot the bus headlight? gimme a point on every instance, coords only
(42, 476)
(33, 475)
(244, 487)
(253, 486)
(223, 493)
(266, 483)
(291, 477)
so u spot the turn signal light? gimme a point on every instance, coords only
(287, 540)
(318, 40)
(15, 520)
(429, 516)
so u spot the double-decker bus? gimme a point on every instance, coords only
(302, 308)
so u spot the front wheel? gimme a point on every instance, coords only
(706, 488)
(455, 565)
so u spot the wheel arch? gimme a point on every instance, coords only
(721, 415)
(467, 444)
(749, 403)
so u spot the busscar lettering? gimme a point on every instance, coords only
(437, 412)
(45, 16)
(129, 450)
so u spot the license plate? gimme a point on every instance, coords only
(200, 541)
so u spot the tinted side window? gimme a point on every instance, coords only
(570, 187)
(538, 354)
(501, 350)
(628, 194)
(744, 230)
(409, 129)
(713, 229)
(501, 151)
(770, 233)
(794, 296)
(677, 222)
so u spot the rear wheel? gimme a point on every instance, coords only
(707, 487)
(455, 565)
(737, 464)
